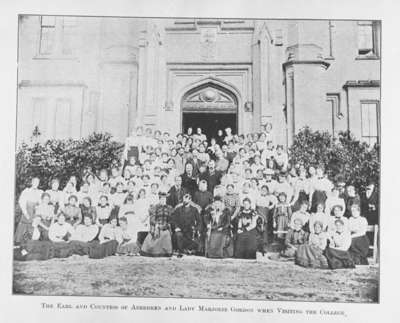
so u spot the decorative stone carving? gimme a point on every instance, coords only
(248, 106)
(209, 98)
(169, 106)
(208, 43)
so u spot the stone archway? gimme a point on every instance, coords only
(210, 107)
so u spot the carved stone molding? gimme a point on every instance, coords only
(169, 106)
(248, 106)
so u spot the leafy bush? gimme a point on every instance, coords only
(64, 158)
(344, 156)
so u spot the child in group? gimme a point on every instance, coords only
(282, 215)
(295, 237)
(72, 212)
(301, 214)
(103, 210)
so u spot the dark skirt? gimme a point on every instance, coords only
(359, 250)
(218, 245)
(338, 259)
(99, 250)
(141, 236)
(310, 256)
(43, 250)
(103, 221)
(266, 215)
(185, 242)
(34, 250)
(160, 246)
(246, 245)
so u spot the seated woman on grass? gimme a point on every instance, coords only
(339, 243)
(311, 254)
(129, 245)
(60, 231)
(295, 237)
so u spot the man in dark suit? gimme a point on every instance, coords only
(370, 204)
(175, 193)
(186, 227)
(213, 177)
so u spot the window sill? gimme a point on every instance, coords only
(361, 58)
(55, 57)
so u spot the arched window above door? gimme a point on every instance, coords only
(209, 98)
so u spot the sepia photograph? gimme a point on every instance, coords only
(198, 158)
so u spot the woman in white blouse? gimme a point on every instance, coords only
(60, 231)
(358, 226)
(337, 253)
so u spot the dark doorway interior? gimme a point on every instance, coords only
(210, 123)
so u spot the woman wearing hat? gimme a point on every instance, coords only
(282, 216)
(158, 242)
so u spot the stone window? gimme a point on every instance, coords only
(368, 39)
(56, 37)
(333, 101)
(47, 35)
(370, 121)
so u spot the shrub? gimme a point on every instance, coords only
(346, 156)
(64, 158)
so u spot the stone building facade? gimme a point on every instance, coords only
(77, 75)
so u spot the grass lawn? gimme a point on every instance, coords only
(194, 277)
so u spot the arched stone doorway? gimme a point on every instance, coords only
(210, 107)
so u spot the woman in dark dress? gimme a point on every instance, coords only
(158, 242)
(248, 234)
(218, 242)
